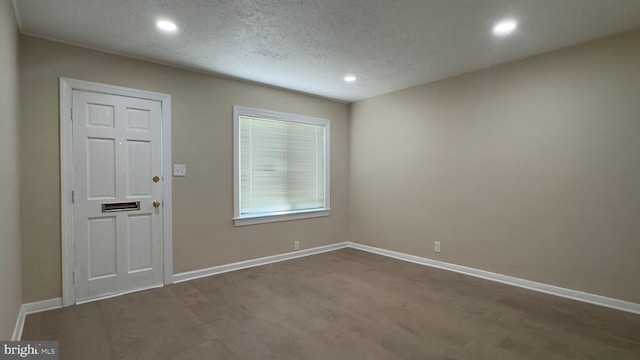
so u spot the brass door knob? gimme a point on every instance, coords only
(156, 203)
(156, 179)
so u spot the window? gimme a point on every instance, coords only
(281, 166)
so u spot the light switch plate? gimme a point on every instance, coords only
(179, 170)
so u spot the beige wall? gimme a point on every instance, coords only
(10, 271)
(203, 232)
(530, 169)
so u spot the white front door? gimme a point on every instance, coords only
(117, 194)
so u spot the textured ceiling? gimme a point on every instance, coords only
(309, 45)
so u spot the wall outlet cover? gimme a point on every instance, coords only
(179, 170)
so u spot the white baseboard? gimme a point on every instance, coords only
(509, 280)
(32, 308)
(622, 305)
(190, 275)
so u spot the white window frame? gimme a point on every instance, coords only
(241, 220)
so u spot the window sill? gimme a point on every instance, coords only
(261, 219)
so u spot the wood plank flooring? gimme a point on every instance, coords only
(345, 304)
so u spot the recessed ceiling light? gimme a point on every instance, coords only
(350, 78)
(505, 27)
(166, 25)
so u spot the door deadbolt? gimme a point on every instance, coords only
(156, 179)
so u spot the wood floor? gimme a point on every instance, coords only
(345, 304)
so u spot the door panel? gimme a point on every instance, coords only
(117, 152)
(102, 245)
(139, 119)
(101, 168)
(100, 115)
(140, 250)
(139, 156)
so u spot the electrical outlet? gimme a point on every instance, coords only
(296, 245)
(436, 246)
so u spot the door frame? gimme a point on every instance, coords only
(67, 86)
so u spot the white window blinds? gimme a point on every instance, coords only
(281, 164)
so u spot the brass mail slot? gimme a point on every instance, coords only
(123, 206)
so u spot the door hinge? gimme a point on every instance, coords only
(73, 197)
(74, 277)
(71, 114)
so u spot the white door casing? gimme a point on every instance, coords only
(113, 142)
